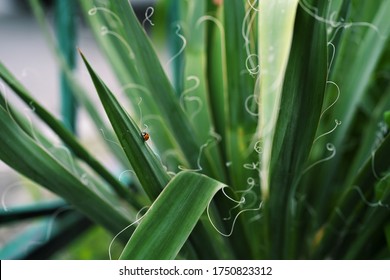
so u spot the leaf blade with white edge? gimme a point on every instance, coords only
(300, 109)
(276, 25)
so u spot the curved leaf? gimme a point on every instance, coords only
(169, 221)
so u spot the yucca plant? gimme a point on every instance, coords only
(269, 142)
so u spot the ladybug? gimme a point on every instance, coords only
(145, 136)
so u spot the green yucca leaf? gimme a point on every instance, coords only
(216, 71)
(370, 229)
(18, 151)
(299, 189)
(302, 96)
(356, 196)
(31, 211)
(64, 134)
(240, 124)
(360, 63)
(354, 84)
(145, 162)
(144, 69)
(194, 98)
(240, 119)
(66, 34)
(36, 243)
(133, 84)
(275, 35)
(370, 138)
(171, 218)
(387, 118)
(77, 90)
(60, 152)
(147, 166)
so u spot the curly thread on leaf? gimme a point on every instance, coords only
(95, 9)
(137, 220)
(104, 31)
(331, 148)
(183, 39)
(235, 218)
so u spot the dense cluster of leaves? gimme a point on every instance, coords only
(265, 144)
